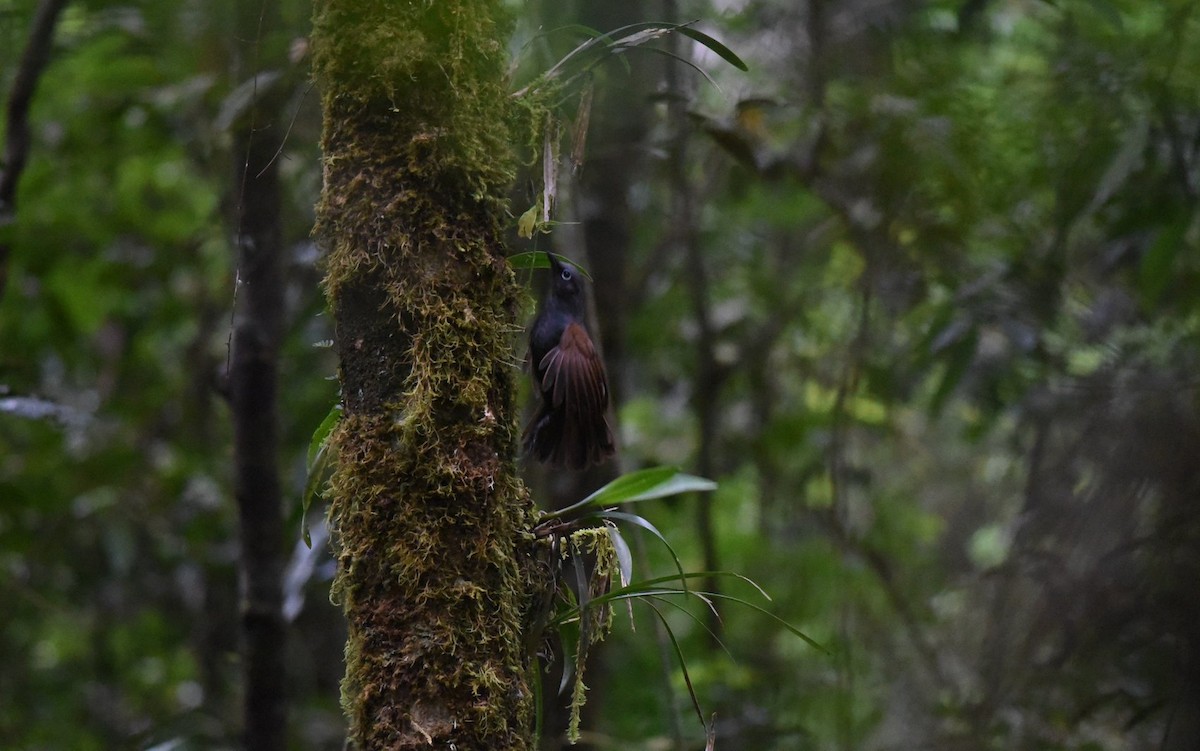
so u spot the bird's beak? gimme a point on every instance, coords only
(555, 264)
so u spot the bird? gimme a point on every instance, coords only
(570, 427)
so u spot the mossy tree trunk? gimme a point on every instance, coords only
(425, 504)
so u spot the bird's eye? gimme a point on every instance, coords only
(566, 275)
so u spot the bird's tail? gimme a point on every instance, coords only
(568, 438)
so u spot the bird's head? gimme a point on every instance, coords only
(566, 283)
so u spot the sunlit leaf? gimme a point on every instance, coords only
(526, 226)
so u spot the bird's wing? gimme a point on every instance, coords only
(573, 374)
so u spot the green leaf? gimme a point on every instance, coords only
(321, 435)
(685, 61)
(648, 484)
(653, 588)
(758, 608)
(687, 679)
(568, 663)
(527, 223)
(599, 48)
(694, 575)
(695, 619)
(628, 593)
(539, 259)
(636, 486)
(318, 463)
(719, 49)
(535, 677)
(624, 555)
(631, 486)
(643, 485)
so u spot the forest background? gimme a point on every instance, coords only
(919, 290)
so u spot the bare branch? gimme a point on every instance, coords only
(16, 148)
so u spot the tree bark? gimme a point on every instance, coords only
(425, 505)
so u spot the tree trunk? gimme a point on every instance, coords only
(253, 392)
(425, 505)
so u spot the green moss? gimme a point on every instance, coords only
(594, 545)
(433, 562)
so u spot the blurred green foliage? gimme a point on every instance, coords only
(953, 292)
(117, 529)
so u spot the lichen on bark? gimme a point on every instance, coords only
(428, 514)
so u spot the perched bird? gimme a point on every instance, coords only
(571, 426)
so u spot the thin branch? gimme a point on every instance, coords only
(16, 148)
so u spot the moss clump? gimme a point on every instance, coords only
(594, 545)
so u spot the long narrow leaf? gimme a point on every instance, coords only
(599, 42)
(317, 463)
(685, 61)
(577, 29)
(624, 555)
(795, 631)
(638, 38)
(316, 475)
(646, 525)
(719, 49)
(596, 49)
(700, 575)
(538, 689)
(647, 587)
(624, 561)
(697, 621)
(687, 679)
(573, 614)
(568, 672)
(632, 593)
(582, 595)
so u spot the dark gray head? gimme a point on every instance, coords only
(566, 286)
